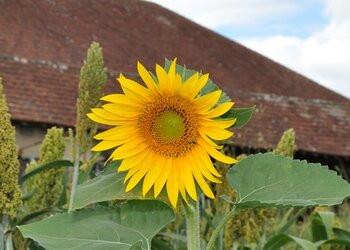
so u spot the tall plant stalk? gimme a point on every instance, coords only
(75, 179)
(217, 230)
(192, 221)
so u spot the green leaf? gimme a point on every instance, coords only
(31, 216)
(322, 225)
(334, 242)
(103, 228)
(42, 167)
(287, 222)
(243, 115)
(63, 197)
(159, 244)
(280, 240)
(318, 228)
(136, 246)
(268, 180)
(341, 233)
(107, 186)
(28, 195)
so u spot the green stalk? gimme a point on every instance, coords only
(217, 230)
(75, 179)
(6, 236)
(2, 233)
(192, 221)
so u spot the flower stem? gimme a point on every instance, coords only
(217, 230)
(75, 180)
(192, 220)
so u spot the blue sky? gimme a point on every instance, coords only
(311, 37)
(300, 22)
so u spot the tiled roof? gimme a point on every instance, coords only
(43, 44)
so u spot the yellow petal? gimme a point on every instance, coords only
(134, 97)
(105, 145)
(163, 176)
(134, 87)
(182, 190)
(172, 70)
(203, 155)
(106, 114)
(217, 123)
(177, 84)
(209, 141)
(108, 144)
(132, 171)
(98, 119)
(165, 84)
(199, 85)
(188, 85)
(153, 174)
(219, 110)
(118, 133)
(214, 153)
(207, 101)
(121, 99)
(132, 161)
(122, 111)
(147, 78)
(138, 175)
(138, 167)
(198, 176)
(187, 179)
(217, 133)
(172, 186)
(128, 150)
(200, 165)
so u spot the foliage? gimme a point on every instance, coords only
(93, 77)
(286, 146)
(10, 193)
(266, 180)
(134, 222)
(47, 184)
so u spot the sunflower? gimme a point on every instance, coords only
(163, 132)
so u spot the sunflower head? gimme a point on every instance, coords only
(165, 131)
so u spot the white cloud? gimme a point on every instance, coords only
(323, 56)
(216, 13)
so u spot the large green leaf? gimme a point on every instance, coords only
(279, 240)
(103, 228)
(107, 186)
(267, 180)
(31, 216)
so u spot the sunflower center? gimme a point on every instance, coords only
(169, 126)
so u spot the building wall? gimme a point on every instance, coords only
(29, 138)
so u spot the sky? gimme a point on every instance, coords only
(311, 37)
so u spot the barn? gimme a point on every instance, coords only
(43, 44)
